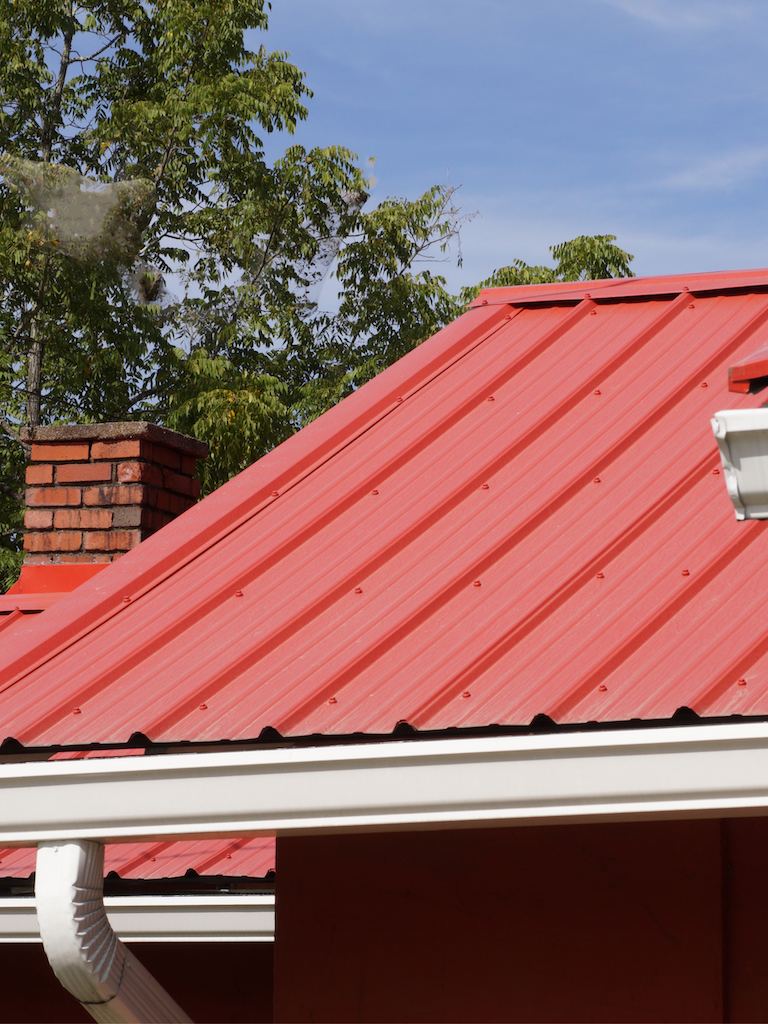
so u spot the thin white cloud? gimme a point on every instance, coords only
(686, 14)
(721, 172)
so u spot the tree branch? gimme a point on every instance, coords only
(51, 117)
(138, 398)
(10, 430)
(169, 149)
(11, 493)
(93, 56)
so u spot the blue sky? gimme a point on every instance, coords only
(646, 119)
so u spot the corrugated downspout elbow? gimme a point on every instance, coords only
(86, 956)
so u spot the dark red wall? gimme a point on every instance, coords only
(213, 982)
(651, 922)
(745, 924)
(615, 922)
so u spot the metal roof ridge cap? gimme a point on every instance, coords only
(621, 287)
(555, 290)
(116, 572)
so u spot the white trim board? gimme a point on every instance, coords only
(673, 772)
(225, 918)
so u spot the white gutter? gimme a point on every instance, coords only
(677, 772)
(86, 956)
(219, 918)
(742, 437)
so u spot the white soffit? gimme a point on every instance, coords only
(742, 437)
(672, 772)
(221, 918)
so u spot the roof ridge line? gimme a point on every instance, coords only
(620, 288)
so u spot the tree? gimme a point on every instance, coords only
(585, 258)
(160, 106)
(156, 266)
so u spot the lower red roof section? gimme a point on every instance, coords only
(40, 586)
(55, 579)
(525, 516)
(235, 858)
(231, 858)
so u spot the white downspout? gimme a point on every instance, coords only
(86, 956)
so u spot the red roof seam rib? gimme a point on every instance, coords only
(231, 847)
(11, 618)
(143, 854)
(211, 541)
(742, 667)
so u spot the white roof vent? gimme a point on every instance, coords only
(742, 437)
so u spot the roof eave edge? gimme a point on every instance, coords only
(673, 772)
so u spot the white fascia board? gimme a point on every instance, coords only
(221, 918)
(673, 772)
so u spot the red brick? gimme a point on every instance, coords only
(178, 483)
(180, 504)
(60, 452)
(118, 449)
(122, 494)
(113, 540)
(159, 519)
(84, 473)
(53, 541)
(135, 472)
(38, 559)
(82, 519)
(163, 501)
(166, 456)
(53, 496)
(130, 515)
(38, 519)
(188, 465)
(40, 474)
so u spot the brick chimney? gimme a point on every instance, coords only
(96, 491)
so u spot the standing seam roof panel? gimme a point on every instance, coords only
(520, 518)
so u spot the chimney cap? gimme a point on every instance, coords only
(125, 431)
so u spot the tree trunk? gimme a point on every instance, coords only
(48, 133)
(34, 375)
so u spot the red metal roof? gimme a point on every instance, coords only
(750, 373)
(40, 586)
(521, 517)
(234, 858)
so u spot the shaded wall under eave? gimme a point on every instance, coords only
(213, 981)
(610, 922)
